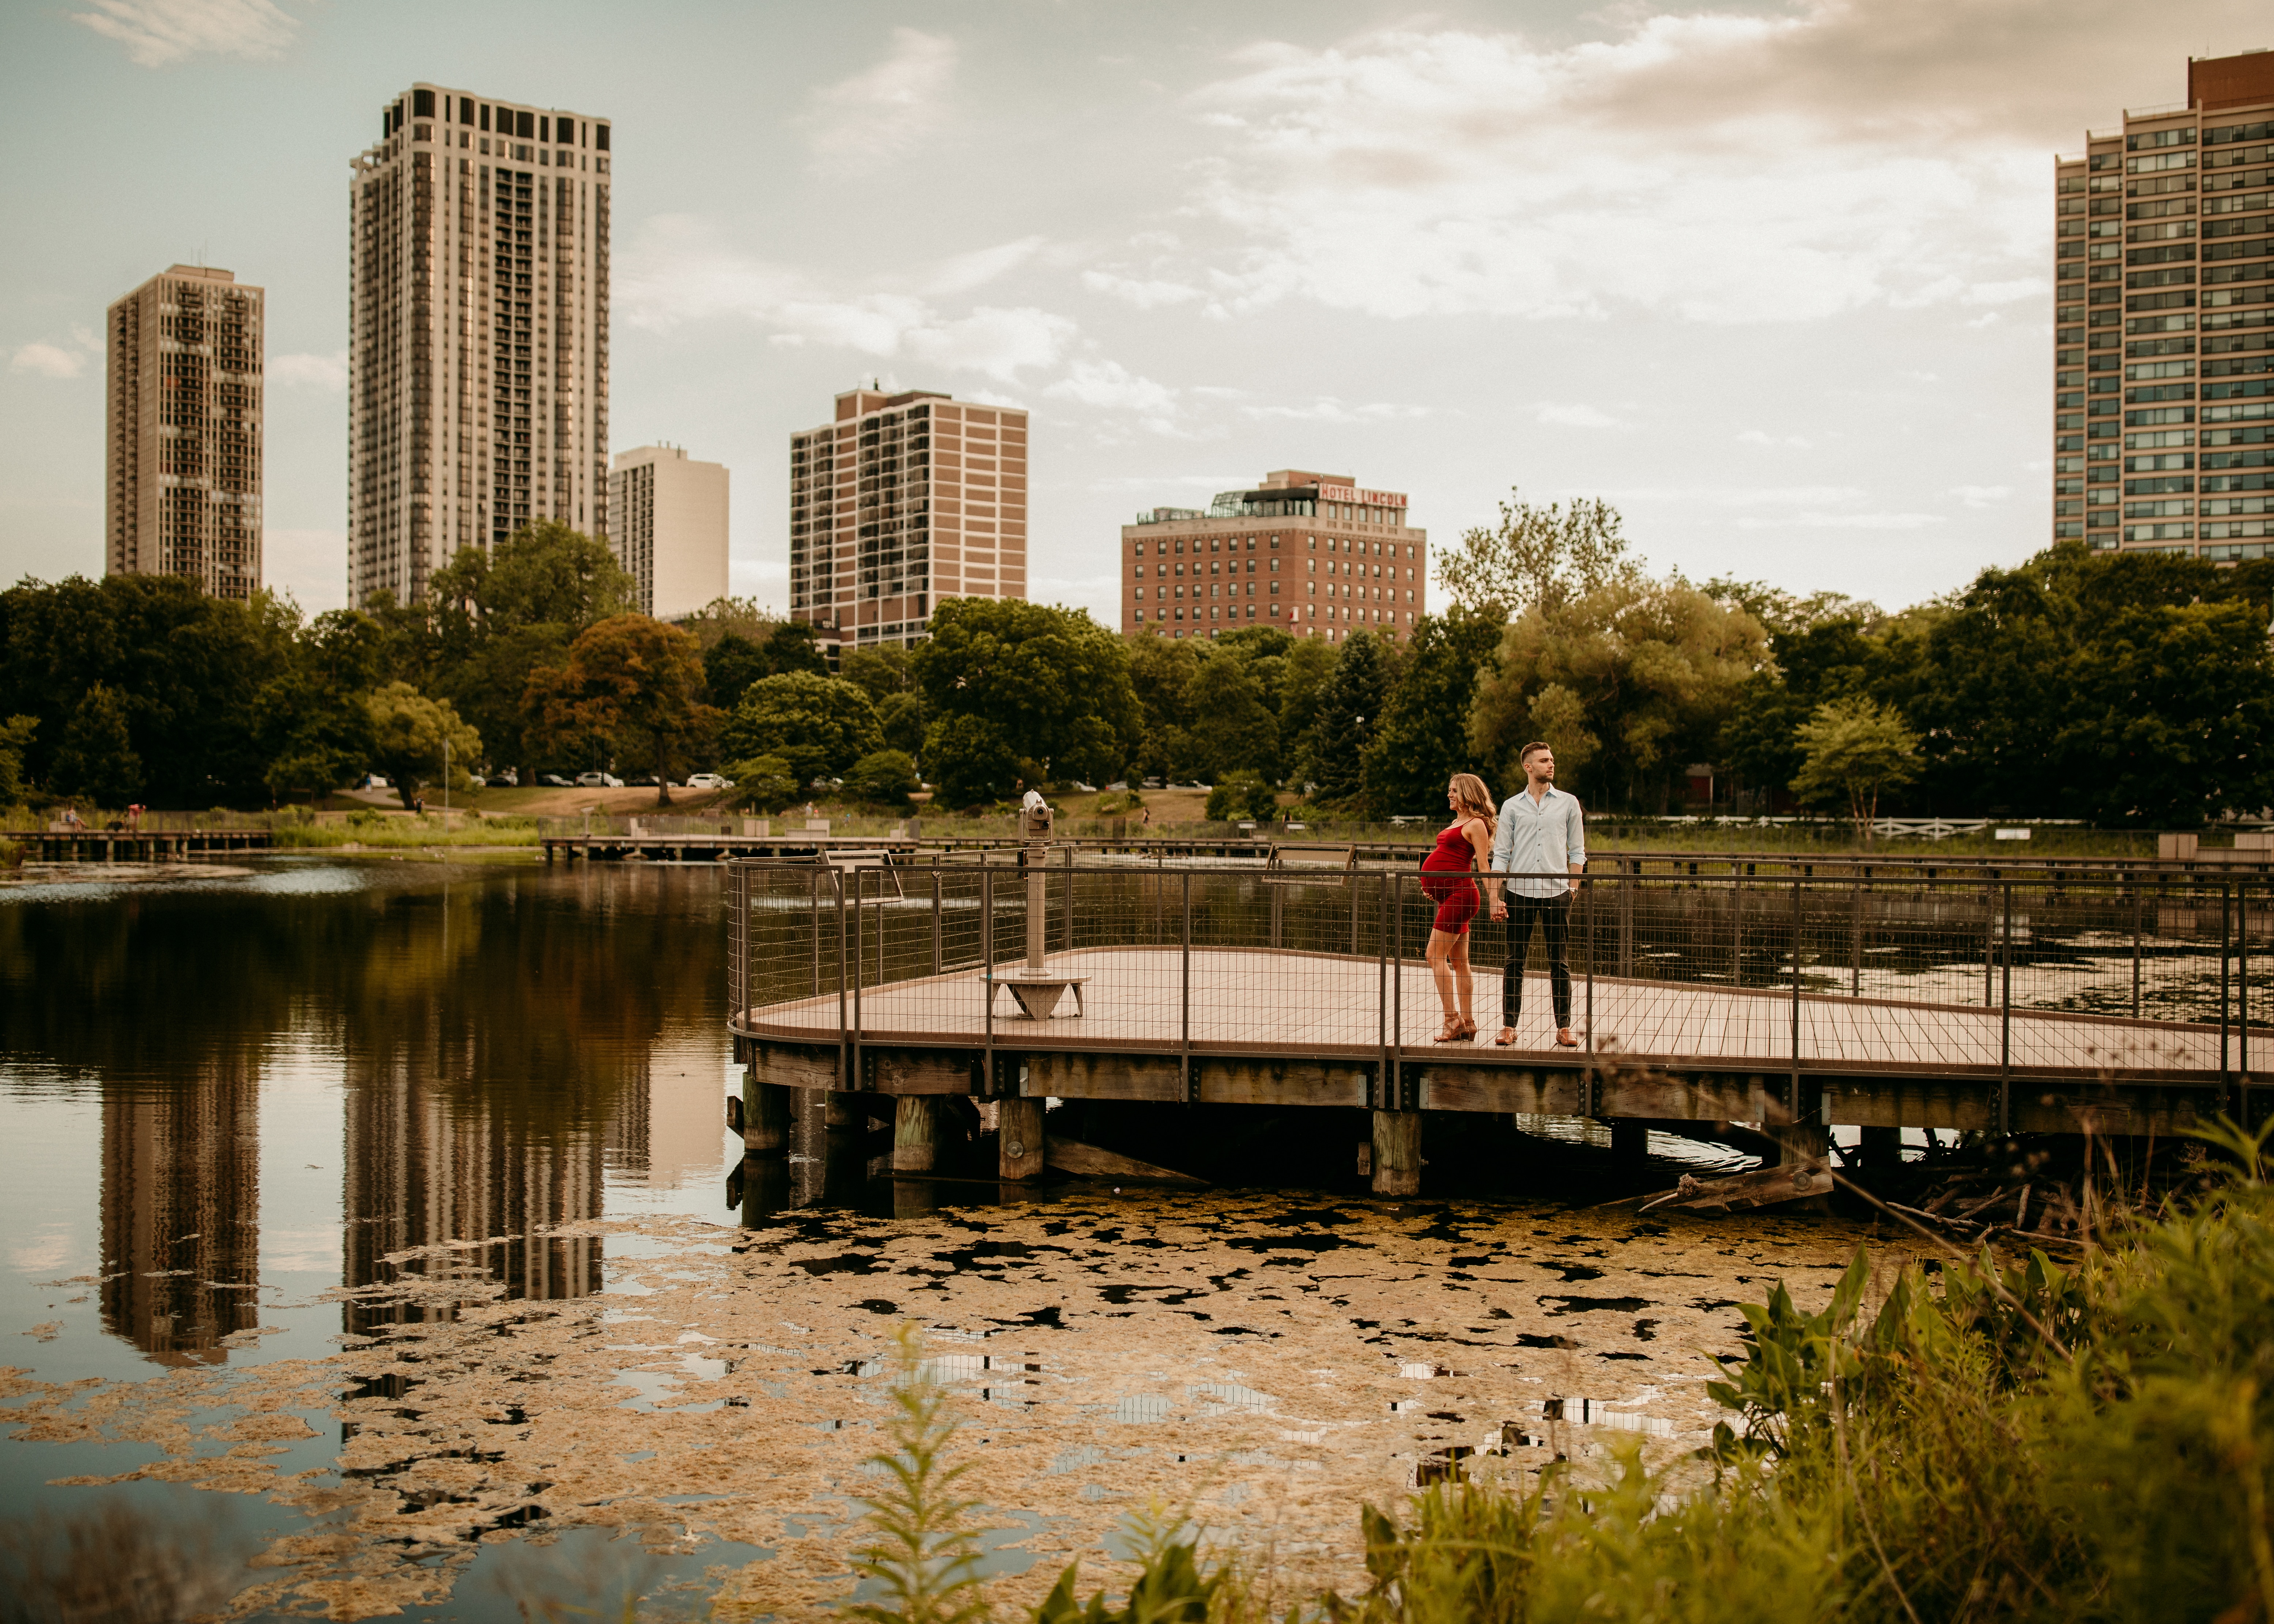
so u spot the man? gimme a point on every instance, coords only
(1541, 839)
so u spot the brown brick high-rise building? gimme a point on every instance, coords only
(1310, 553)
(182, 486)
(477, 352)
(904, 499)
(2163, 378)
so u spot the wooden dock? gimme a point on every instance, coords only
(711, 848)
(107, 845)
(2060, 1003)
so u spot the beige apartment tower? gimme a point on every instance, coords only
(1311, 554)
(667, 525)
(478, 356)
(2162, 382)
(181, 473)
(903, 499)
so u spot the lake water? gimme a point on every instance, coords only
(368, 1221)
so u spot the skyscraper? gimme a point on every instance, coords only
(1311, 554)
(478, 361)
(2163, 385)
(902, 501)
(668, 523)
(182, 485)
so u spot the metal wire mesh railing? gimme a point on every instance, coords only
(2102, 974)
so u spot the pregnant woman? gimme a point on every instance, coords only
(1462, 849)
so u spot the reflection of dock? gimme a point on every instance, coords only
(1797, 1003)
(706, 848)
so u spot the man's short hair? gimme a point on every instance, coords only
(1525, 754)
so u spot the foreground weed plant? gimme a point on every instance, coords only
(1992, 1441)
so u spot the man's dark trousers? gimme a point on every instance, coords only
(1553, 915)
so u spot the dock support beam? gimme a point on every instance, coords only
(1797, 1142)
(843, 1111)
(1019, 1138)
(1397, 1153)
(1883, 1147)
(765, 1115)
(916, 1133)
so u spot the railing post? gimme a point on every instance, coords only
(1792, 1098)
(1184, 993)
(1393, 1081)
(987, 959)
(1589, 1052)
(2005, 1017)
(2138, 913)
(937, 921)
(2225, 933)
(860, 877)
(2242, 1001)
(1856, 942)
(1067, 937)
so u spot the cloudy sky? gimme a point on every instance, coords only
(1773, 278)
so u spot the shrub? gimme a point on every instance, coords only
(1242, 794)
(885, 776)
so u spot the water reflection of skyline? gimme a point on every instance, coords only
(502, 1045)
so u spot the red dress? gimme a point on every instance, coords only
(1456, 897)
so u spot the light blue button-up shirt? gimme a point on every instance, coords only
(1538, 841)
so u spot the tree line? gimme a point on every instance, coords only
(2122, 688)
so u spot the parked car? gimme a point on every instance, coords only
(372, 780)
(708, 780)
(641, 780)
(1081, 788)
(510, 778)
(598, 780)
(554, 780)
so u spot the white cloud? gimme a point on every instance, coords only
(1846, 522)
(677, 272)
(1472, 172)
(1144, 294)
(1577, 416)
(1110, 384)
(962, 273)
(48, 360)
(1761, 437)
(327, 372)
(884, 111)
(1327, 409)
(1982, 495)
(159, 32)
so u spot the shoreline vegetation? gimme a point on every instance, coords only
(1973, 1438)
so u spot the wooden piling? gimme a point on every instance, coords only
(1397, 1153)
(844, 1112)
(1797, 1142)
(916, 1133)
(1883, 1147)
(765, 1116)
(1629, 1140)
(1019, 1138)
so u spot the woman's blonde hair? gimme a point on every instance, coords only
(1476, 800)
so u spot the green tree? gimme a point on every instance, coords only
(15, 740)
(634, 682)
(1629, 684)
(1050, 683)
(409, 731)
(1233, 729)
(1241, 794)
(766, 782)
(730, 665)
(1161, 672)
(904, 719)
(1308, 663)
(313, 721)
(1850, 750)
(886, 777)
(1538, 557)
(882, 671)
(819, 725)
(972, 761)
(98, 759)
(1349, 711)
(502, 615)
(1422, 738)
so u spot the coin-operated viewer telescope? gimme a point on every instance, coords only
(1037, 989)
